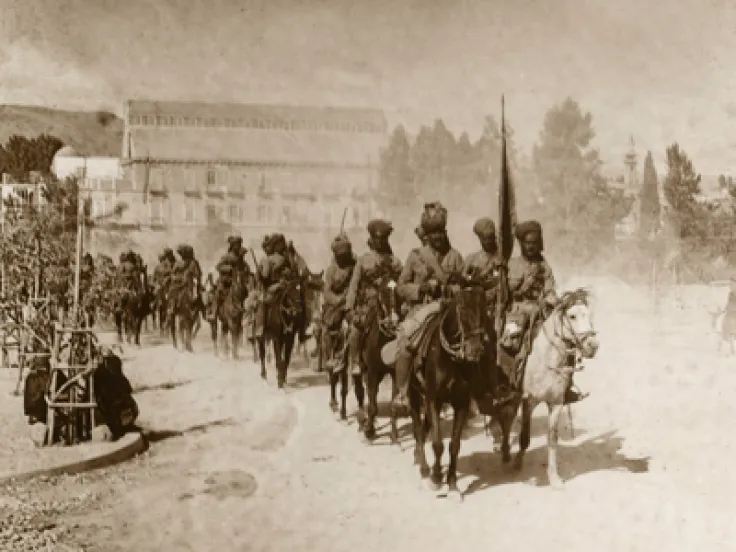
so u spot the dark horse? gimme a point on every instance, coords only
(283, 315)
(132, 309)
(229, 311)
(332, 348)
(378, 327)
(454, 346)
(183, 310)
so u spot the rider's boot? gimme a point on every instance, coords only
(259, 320)
(573, 394)
(403, 364)
(354, 350)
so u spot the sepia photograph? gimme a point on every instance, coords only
(367, 276)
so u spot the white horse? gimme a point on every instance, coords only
(565, 336)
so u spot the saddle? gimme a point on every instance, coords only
(418, 328)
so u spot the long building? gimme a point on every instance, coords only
(255, 167)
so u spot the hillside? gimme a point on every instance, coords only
(90, 133)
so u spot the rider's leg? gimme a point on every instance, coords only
(404, 360)
(354, 350)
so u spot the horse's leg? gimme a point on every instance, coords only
(553, 473)
(525, 436)
(461, 407)
(119, 325)
(225, 335)
(236, 334)
(433, 413)
(344, 388)
(172, 329)
(287, 349)
(333, 377)
(261, 341)
(278, 350)
(213, 336)
(187, 327)
(139, 323)
(506, 418)
(371, 382)
(394, 412)
(359, 390)
(420, 433)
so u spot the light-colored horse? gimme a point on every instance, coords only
(568, 333)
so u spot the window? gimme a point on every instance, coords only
(199, 122)
(213, 213)
(156, 212)
(262, 214)
(211, 178)
(98, 208)
(236, 213)
(286, 215)
(190, 212)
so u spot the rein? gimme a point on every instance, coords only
(456, 349)
(563, 345)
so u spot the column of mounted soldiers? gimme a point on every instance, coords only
(430, 273)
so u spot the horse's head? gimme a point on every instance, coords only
(470, 308)
(291, 299)
(575, 325)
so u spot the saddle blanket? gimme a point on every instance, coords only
(414, 327)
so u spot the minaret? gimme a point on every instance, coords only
(632, 178)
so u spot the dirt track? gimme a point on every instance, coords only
(649, 468)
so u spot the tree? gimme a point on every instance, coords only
(397, 176)
(20, 155)
(649, 201)
(578, 204)
(681, 187)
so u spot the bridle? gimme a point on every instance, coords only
(574, 341)
(456, 349)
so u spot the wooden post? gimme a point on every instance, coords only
(78, 260)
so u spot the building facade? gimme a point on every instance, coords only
(254, 167)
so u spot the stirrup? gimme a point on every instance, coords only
(573, 395)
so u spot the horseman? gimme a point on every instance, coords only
(231, 265)
(532, 291)
(86, 274)
(162, 276)
(337, 281)
(186, 275)
(483, 268)
(372, 271)
(427, 273)
(129, 274)
(273, 273)
(302, 272)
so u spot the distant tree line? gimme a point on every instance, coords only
(20, 155)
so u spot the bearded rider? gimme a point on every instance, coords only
(427, 271)
(273, 271)
(337, 282)
(532, 287)
(373, 270)
(231, 265)
(186, 274)
(483, 268)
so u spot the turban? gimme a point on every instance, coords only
(168, 251)
(185, 250)
(275, 239)
(529, 227)
(484, 228)
(434, 218)
(379, 228)
(419, 231)
(341, 245)
(231, 240)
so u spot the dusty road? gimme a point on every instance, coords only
(236, 465)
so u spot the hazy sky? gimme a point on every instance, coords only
(662, 71)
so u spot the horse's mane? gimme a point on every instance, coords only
(574, 297)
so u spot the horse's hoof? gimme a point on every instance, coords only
(518, 463)
(333, 406)
(556, 483)
(455, 496)
(343, 415)
(431, 486)
(263, 375)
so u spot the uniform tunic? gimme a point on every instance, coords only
(371, 271)
(530, 283)
(418, 271)
(337, 282)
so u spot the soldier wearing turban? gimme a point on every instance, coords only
(161, 281)
(484, 268)
(532, 292)
(273, 270)
(372, 271)
(426, 272)
(337, 281)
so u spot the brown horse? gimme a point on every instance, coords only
(283, 315)
(454, 347)
(565, 335)
(229, 316)
(183, 310)
(378, 324)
